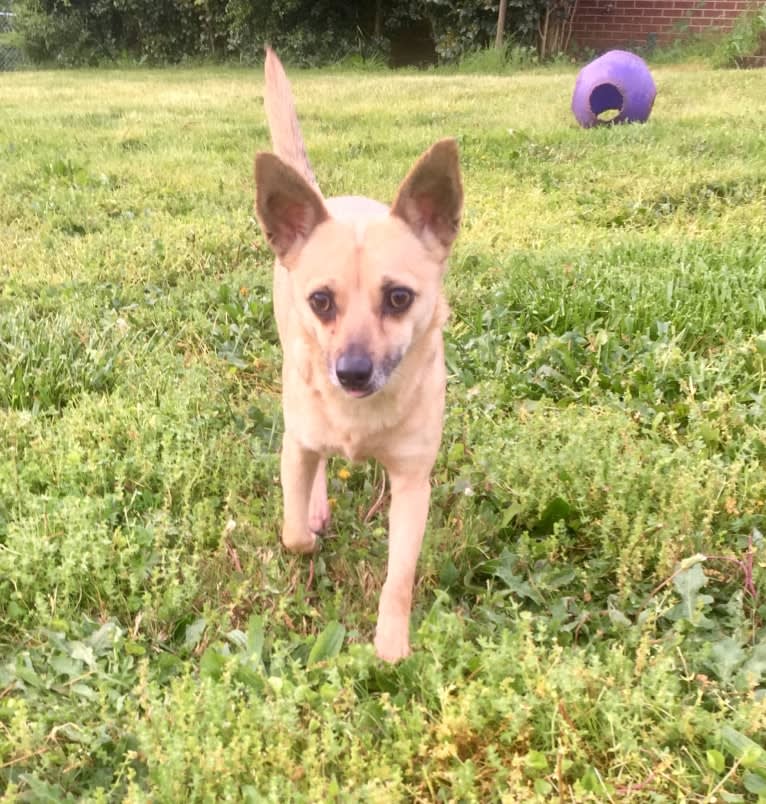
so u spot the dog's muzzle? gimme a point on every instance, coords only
(354, 370)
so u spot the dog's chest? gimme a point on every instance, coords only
(331, 429)
(353, 448)
(356, 443)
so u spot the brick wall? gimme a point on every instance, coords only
(603, 24)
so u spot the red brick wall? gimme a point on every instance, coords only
(603, 24)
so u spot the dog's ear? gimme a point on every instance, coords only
(430, 199)
(286, 205)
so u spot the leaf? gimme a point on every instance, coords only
(28, 675)
(84, 691)
(591, 782)
(233, 359)
(448, 575)
(194, 633)
(456, 453)
(716, 760)
(328, 643)
(79, 650)
(65, 666)
(558, 508)
(691, 561)
(237, 638)
(502, 569)
(688, 583)
(255, 637)
(742, 748)
(734, 798)
(168, 665)
(104, 638)
(616, 616)
(73, 733)
(754, 669)
(536, 762)
(511, 512)
(41, 791)
(551, 577)
(251, 678)
(212, 663)
(754, 783)
(726, 656)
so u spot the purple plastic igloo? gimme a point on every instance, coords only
(617, 81)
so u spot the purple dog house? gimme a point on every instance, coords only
(617, 81)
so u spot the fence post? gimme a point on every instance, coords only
(12, 55)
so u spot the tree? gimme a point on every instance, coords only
(501, 23)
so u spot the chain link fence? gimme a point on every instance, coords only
(12, 55)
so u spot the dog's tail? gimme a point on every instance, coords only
(286, 137)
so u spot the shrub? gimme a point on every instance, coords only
(746, 40)
(71, 32)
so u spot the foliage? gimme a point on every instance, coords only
(589, 615)
(79, 32)
(493, 61)
(746, 39)
(460, 27)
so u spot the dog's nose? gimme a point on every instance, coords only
(354, 369)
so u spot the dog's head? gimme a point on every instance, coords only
(366, 286)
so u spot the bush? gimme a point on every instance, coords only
(73, 32)
(81, 32)
(746, 40)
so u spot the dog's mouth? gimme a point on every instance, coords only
(359, 393)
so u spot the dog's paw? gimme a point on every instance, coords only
(319, 514)
(392, 639)
(300, 543)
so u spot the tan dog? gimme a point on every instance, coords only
(360, 310)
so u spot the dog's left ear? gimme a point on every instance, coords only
(430, 199)
(288, 208)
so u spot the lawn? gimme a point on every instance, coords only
(589, 614)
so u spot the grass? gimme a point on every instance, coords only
(589, 617)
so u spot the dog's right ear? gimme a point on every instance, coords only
(286, 205)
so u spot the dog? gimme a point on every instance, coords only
(360, 309)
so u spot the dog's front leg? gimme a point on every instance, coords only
(299, 468)
(406, 524)
(319, 506)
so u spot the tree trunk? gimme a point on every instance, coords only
(378, 25)
(501, 24)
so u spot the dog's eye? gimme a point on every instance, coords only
(397, 300)
(323, 304)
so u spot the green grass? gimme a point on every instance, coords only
(589, 615)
